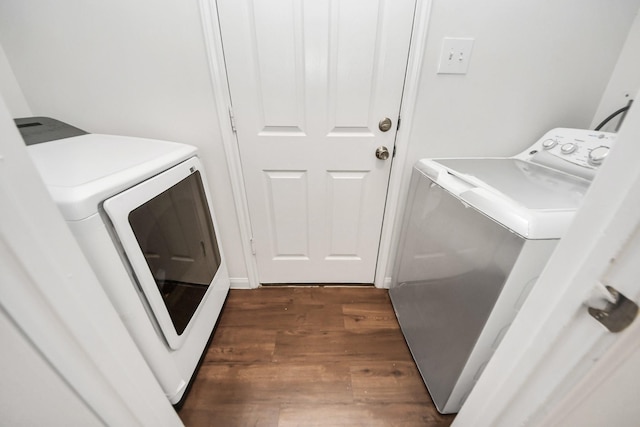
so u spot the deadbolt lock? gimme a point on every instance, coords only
(384, 124)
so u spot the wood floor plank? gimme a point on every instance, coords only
(273, 382)
(227, 414)
(361, 415)
(366, 316)
(297, 346)
(388, 382)
(264, 316)
(310, 295)
(236, 345)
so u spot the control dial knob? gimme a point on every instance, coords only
(598, 154)
(548, 144)
(568, 148)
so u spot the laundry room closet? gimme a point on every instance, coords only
(164, 70)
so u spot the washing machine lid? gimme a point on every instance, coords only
(534, 201)
(82, 171)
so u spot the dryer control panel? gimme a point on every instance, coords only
(575, 151)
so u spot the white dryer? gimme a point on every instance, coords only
(477, 233)
(141, 211)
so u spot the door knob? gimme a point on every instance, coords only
(382, 153)
(384, 124)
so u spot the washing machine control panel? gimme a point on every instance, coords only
(576, 151)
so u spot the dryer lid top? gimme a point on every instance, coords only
(82, 171)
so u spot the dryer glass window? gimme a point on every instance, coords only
(176, 235)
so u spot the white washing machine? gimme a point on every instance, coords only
(141, 211)
(477, 233)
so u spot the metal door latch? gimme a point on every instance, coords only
(618, 313)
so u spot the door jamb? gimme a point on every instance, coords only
(222, 97)
(395, 198)
(218, 75)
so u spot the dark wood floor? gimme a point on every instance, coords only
(309, 356)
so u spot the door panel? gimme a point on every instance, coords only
(346, 191)
(309, 82)
(280, 71)
(352, 65)
(287, 200)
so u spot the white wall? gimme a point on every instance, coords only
(131, 68)
(625, 80)
(10, 90)
(535, 65)
(32, 392)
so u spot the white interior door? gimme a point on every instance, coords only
(310, 81)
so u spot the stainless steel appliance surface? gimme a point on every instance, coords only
(476, 235)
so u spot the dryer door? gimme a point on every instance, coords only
(166, 229)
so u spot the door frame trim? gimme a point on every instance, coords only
(222, 97)
(394, 206)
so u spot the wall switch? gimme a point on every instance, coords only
(455, 55)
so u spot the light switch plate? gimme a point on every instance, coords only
(455, 55)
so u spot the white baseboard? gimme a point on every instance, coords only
(240, 283)
(387, 283)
